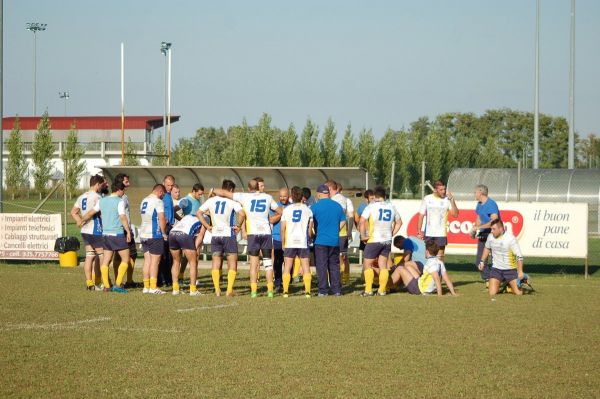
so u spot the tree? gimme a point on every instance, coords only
(17, 175)
(267, 153)
(131, 158)
(71, 156)
(289, 154)
(386, 155)
(160, 152)
(41, 155)
(184, 154)
(329, 146)
(349, 155)
(241, 148)
(310, 154)
(367, 150)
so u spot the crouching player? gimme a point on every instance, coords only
(153, 233)
(507, 260)
(182, 239)
(430, 281)
(223, 212)
(296, 224)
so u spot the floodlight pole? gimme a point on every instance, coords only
(165, 49)
(122, 103)
(536, 112)
(571, 157)
(35, 27)
(64, 95)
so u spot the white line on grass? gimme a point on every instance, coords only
(50, 326)
(206, 307)
(148, 330)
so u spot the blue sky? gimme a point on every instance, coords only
(376, 64)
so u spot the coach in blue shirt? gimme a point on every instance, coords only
(329, 218)
(486, 210)
(284, 200)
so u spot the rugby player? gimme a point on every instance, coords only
(346, 231)
(182, 239)
(436, 207)
(223, 212)
(132, 246)
(486, 210)
(507, 259)
(164, 268)
(189, 205)
(256, 205)
(429, 281)
(116, 235)
(296, 225)
(379, 222)
(284, 200)
(153, 234)
(91, 232)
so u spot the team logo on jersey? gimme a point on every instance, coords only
(459, 229)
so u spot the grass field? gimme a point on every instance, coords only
(57, 340)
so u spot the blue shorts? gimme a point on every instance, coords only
(413, 287)
(440, 241)
(180, 240)
(156, 246)
(115, 243)
(299, 252)
(93, 240)
(223, 245)
(343, 245)
(258, 242)
(373, 250)
(420, 266)
(504, 275)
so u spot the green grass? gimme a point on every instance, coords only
(58, 340)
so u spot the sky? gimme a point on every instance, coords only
(375, 64)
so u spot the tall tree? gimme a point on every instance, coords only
(160, 152)
(241, 148)
(17, 174)
(184, 153)
(310, 154)
(74, 166)
(210, 143)
(329, 146)
(267, 148)
(41, 155)
(367, 150)
(289, 154)
(131, 158)
(349, 155)
(386, 155)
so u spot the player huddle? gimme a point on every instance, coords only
(281, 236)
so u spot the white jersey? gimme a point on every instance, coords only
(189, 224)
(85, 203)
(348, 208)
(426, 281)
(125, 199)
(297, 218)
(505, 251)
(256, 207)
(381, 217)
(436, 211)
(222, 215)
(150, 207)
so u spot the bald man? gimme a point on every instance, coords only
(284, 200)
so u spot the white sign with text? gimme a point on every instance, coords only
(28, 236)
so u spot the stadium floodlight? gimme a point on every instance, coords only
(64, 95)
(165, 49)
(35, 27)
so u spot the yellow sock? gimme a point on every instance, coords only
(270, 286)
(146, 283)
(175, 285)
(216, 278)
(369, 277)
(230, 280)
(296, 269)
(121, 274)
(253, 287)
(383, 279)
(89, 283)
(307, 278)
(152, 283)
(286, 282)
(193, 286)
(104, 272)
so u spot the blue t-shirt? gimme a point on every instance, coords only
(109, 211)
(484, 211)
(277, 226)
(169, 209)
(361, 208)
(327, 215)
(416, 247)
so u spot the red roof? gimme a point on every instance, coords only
(89, 122)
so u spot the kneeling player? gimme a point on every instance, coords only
(430, 281)
(181, 238)
(507, 260)
(296, 223)
(223, 242)
(153, 235)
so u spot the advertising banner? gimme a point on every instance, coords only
(29, 236)
(545, 229)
